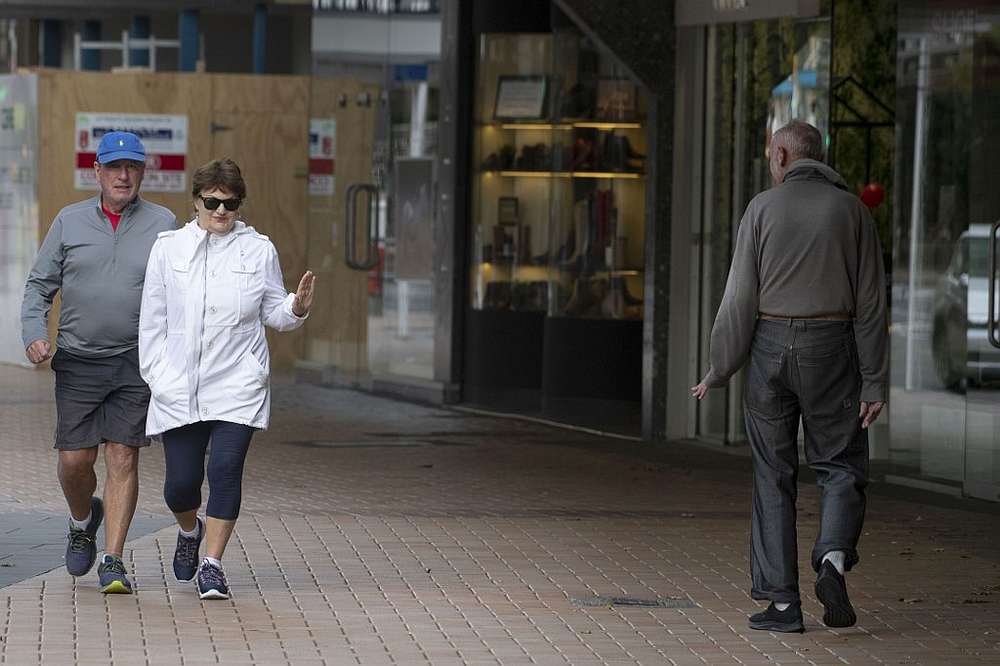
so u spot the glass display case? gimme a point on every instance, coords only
(557, 235)
(598, 212)
(509, 222)
(512, 189)
(559, 197)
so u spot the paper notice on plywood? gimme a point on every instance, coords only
(322, 152)
(164, 136)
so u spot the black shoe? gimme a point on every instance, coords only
(186, 554)
(81, 551)
(787, 621)
(831, 590)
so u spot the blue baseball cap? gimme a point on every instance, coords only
(120, 146)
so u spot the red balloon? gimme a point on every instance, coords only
(872, 195)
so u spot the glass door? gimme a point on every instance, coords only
(982, 430)
(759, 76)
(343, 117)
(400, 282)
(945, 394)
(373, 138)
(980, 48)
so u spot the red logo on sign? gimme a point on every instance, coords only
(327, 145)
(84, 138)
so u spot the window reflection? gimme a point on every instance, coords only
(945, 412)
(759, 76)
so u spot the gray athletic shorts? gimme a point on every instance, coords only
(99, 400)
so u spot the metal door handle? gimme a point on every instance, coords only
(991, 310)
(371, 228)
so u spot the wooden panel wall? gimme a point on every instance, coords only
(341, 339)
(267, 117)
(62, 94)
(262, 123)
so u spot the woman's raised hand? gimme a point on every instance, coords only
(304, 295)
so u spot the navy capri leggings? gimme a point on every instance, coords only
(184, 452)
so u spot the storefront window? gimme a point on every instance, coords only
(759, 76)
(945, 403)
(558, 230)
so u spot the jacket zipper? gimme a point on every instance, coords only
(201, 334)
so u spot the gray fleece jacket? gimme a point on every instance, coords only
(100, 272)
(805, 248)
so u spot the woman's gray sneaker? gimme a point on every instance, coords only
(81, 551)
(186, 554)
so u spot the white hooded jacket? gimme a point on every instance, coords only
(202, 348)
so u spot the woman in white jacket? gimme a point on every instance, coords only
(210, 288)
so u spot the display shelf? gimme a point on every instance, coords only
(527, 127)
(527, 173)
(564, 125)
(609, 175)
(605, 124)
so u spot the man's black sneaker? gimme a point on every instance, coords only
(831, 590)
(212, 582)
(772, 619)
(81, 551)
(113, 579)
(186, 554)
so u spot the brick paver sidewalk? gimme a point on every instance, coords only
(381, 532)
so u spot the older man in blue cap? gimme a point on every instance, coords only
(95, 253)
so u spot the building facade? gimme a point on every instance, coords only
(603, 160)
(530, 207)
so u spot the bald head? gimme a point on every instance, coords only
(795, 141)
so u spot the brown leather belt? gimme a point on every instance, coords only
(827, 317)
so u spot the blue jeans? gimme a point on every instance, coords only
(184, 453)
(804, 369)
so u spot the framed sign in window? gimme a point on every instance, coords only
(521, 98)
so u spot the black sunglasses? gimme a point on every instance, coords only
(211, 203)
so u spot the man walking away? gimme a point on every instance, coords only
(95, 253)
(805, 301)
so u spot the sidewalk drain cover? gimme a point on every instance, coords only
(660, 602)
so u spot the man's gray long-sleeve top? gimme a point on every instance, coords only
(805, 248)
(100, 272)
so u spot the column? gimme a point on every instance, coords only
(188, 31)
(90, 59)
(139, 30)
(259, 38)
(51, 43)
